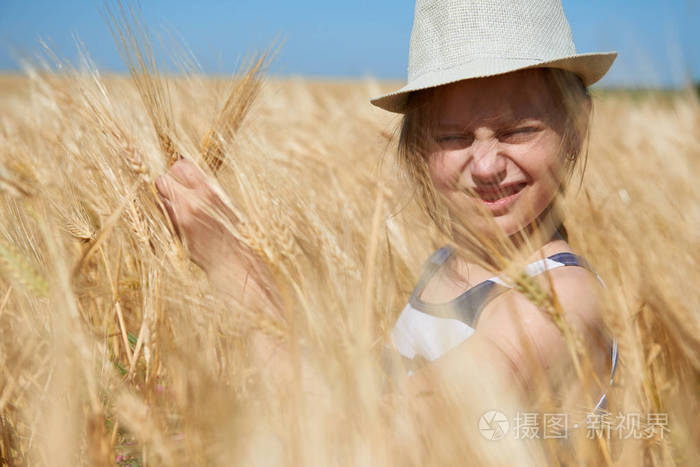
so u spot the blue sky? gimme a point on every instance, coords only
(657, 40)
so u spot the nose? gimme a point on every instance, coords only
(487, 166)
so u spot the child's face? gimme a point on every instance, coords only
(498, 144)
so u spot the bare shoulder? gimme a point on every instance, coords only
(576, 290)
(515, 323)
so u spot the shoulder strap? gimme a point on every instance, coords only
(547, 264)
(430, 268)
(534, 269)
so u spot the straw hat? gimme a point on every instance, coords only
(453, 40)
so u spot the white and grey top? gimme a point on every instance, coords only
(426, 331)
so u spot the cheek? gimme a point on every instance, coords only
(545, 169)
(444, 170)
(543, 161)
(439, 170)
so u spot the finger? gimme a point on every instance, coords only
(174, 196)
(191, 177)
(171, 214)
(170, 188)
(162, 186)
(188, 174)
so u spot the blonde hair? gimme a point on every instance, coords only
(568, 93)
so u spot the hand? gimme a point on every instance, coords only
(198, 215)
(200, 218)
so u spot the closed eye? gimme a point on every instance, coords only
(518, 135)
(457, 140)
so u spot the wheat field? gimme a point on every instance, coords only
(116, 350)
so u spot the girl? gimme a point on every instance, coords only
(495, 113)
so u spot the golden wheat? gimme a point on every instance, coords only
(116, 349)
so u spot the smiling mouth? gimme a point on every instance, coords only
(498, 199)
(499, 193)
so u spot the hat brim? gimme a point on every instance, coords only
(590, 67)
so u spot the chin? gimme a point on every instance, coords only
(508, 226)
(512, 223)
